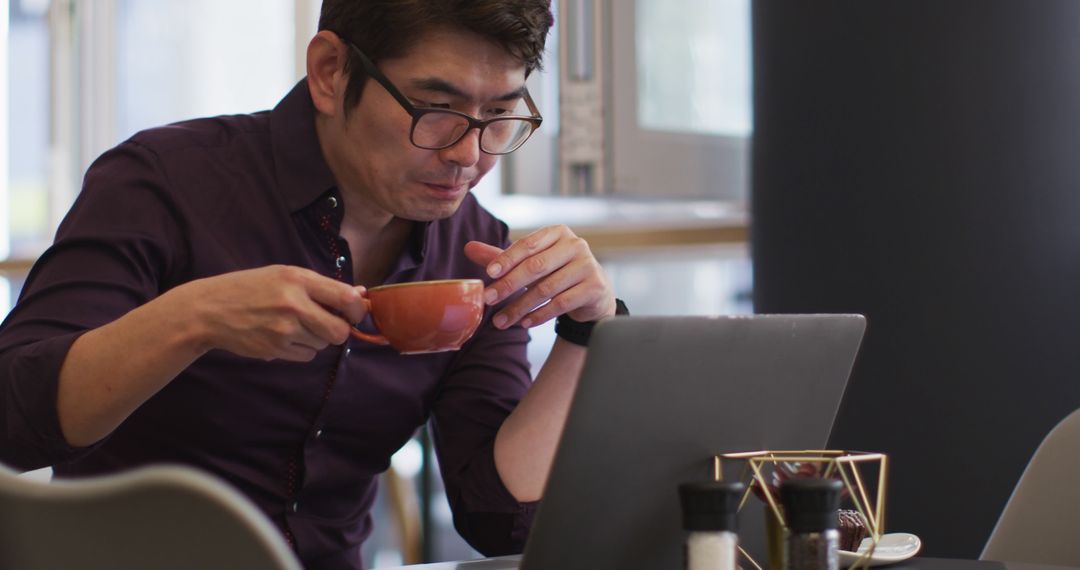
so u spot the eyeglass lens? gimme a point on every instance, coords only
(442, 129)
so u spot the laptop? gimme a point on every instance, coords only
(658, 399)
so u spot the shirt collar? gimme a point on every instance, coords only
(302, 173)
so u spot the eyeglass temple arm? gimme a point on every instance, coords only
(371, 70)
(532, 108)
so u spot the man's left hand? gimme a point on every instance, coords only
(556, 269)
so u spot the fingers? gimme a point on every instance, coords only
(481, 253)
(343, 298)
(558, 273)
(299, 336)
(524, 248)
(329, 308)
(321, 326)
(278, 312)
(531, 258)
(282, 338)
(298, 353)
(556, 294)
(307, 327)
(548, 311)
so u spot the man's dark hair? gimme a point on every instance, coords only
(387, 28)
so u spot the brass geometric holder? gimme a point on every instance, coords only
(848, 466)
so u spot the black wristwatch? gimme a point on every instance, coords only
(578, 332)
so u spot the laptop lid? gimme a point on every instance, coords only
(660, 397)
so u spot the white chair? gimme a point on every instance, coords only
(161, 517)
(1040, 520)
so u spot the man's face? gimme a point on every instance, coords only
(370, 151)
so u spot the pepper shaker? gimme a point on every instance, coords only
(811, 509)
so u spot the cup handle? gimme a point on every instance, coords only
(372, 338)
(368, 337)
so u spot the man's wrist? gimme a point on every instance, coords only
(578, 332)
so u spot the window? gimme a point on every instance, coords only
(79, 77)
(681, 98)
(693, 66)
(24, 151)
(181, 60)
(654, 101)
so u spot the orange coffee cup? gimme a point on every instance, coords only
(424, 316)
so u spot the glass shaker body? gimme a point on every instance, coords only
(712, 550)
(709, 510)
(812, 550)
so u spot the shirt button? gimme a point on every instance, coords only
(295, 506)
(333, 202)
(340, 262)
(318, 433)
(348, 351)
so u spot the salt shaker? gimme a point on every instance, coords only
(811, 510)
(709, 510)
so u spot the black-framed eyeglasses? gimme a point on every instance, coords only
(435, 128)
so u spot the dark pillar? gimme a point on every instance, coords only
(918, 161)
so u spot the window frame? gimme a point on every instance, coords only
(624, 160)
(82, 101)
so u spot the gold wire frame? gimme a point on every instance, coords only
(871, 507)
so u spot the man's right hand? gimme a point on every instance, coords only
(275, 312)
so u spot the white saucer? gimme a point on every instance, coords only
(892, 548)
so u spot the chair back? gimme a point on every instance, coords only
(160, 517)
(1040, 520)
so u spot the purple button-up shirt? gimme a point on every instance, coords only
(304, 441)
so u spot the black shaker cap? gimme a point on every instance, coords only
(710, 505)
(811, 504)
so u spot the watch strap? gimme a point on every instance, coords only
(578, 332)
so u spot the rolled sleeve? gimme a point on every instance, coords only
(109, 257)
(32, 436)
(487, 381)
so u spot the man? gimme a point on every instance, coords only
(196, 304)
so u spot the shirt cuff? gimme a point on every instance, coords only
(489, 517)
(32, 436)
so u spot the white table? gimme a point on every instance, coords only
(511, 563)
(500, 563)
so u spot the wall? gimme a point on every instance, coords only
(915, 161)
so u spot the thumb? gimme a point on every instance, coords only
(481, 253)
